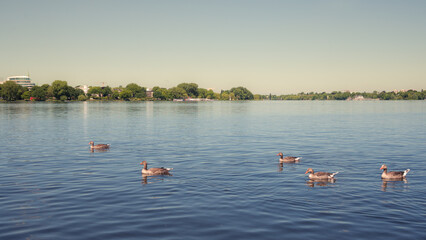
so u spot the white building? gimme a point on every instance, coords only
(149, 93)
(85, 88)
(24, 81)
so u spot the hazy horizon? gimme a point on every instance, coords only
(278, 47)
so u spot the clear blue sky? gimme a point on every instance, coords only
(267, 46)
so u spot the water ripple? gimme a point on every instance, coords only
(226, 181)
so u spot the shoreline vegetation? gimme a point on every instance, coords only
(60, 91)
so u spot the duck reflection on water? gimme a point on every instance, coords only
(393, 184)
(322, 182)
(148, 179)
(99, 150)
(288, 164)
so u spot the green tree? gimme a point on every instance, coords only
(160, 93)
(216, 95)
(59, 88)
(191, 89)
(211, 94)
(340, 95)
(82, 98)
(141, 94)
(126, 94)
(202, 93)
(136, 90)
(39, 93)
(48, 89)
(106, 91)
(224, 95)
(11, 91)
(242, 93)
(73, 93)
(45, 87)
(177, 93)
(26, 95)
(116, 93)
(386, 95)
(94, 92)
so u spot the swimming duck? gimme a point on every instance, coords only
(319, 175)
(154, 171)
(98, 146)
(393, 175)
(288, 159)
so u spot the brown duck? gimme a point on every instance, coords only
(319, 175)
(98, 146)
(393, 175)
(154, 171)
(288, 159)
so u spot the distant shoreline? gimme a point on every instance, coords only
(185, 92)
(183, 102)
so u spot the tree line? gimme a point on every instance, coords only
(337, 95)
(61, 91)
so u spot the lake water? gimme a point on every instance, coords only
(226, 182)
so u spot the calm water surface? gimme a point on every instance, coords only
(226, 183)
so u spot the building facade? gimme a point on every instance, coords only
(85, 88)
(149, 93)
(24, 81)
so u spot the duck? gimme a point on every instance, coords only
(154, 171)
(393, 175)
(288, 159)
(320, 175)
(98, 146)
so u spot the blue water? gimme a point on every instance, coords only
(226, 183)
